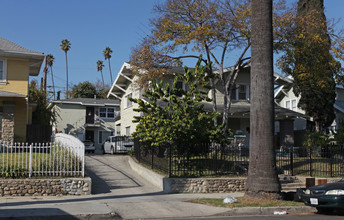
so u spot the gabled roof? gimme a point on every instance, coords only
(124, 78)
(88, 102)
(12, 50)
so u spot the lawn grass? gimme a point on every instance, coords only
(246, 202)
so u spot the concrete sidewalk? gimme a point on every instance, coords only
(120, 193)
(135, 207)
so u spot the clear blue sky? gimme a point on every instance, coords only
(90, 26)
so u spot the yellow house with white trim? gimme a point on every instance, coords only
(16, 65)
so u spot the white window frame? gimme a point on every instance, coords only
(4, 70)
(291, 102)
(128, 103)
(127, 131)
(106, 112)
(237, 90)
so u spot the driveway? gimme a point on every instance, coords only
(116, 189)
(133, 197)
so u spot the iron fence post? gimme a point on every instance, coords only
(292, 160)
(310, 161)
(170, 159)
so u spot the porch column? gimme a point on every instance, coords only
(7, 128)
(287, 133)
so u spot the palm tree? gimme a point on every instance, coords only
(262, 179)
(65, 46)
(50, 61)
(107, 54)
(100, 68)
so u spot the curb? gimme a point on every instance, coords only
(111, 216)
(267, 210)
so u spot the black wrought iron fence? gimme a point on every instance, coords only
(201, 160)
(229, 160)
(325, 161)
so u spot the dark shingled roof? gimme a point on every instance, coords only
(88, 101)
(10, 47)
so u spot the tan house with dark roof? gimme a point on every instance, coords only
(16, 65)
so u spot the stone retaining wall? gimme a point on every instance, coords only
(204, 185)
(45, 187)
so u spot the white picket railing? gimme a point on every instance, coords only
(52, 159)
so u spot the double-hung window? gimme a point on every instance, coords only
(128, 103)
(2, 70)
(241, 92)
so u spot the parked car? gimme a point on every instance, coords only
(326, 197)
(118, 144)
(89, 146)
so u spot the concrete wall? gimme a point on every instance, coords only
(189, 185)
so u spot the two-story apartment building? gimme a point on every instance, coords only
(16, 65)
(86, 118)
(286, 98)
(125, 86)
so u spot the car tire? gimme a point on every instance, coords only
(322, 210)
(112, 152)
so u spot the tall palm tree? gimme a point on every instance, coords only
(100, 68)
(107, 55)
(262, 179)
(50, 61)
(65, 46)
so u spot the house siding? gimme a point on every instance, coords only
(128, 113)
(71, 119)
(17, 77)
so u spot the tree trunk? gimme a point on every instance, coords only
(52, 80)
(67, 93)
(262, 180)
(110, 72)
(101, 72)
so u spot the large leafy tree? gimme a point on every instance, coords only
(50, 61)
(107, 55)
(311, 57)
(65, 46)
(262, 180)
(191, 27)
(177, 116)
(220, 30)
(84, 90)
(100, 66)
(42, 115)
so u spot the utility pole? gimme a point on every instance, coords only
(45, 75)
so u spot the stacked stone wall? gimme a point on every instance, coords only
(45, 187)
(207, 185)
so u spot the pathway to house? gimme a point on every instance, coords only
(116, 189)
